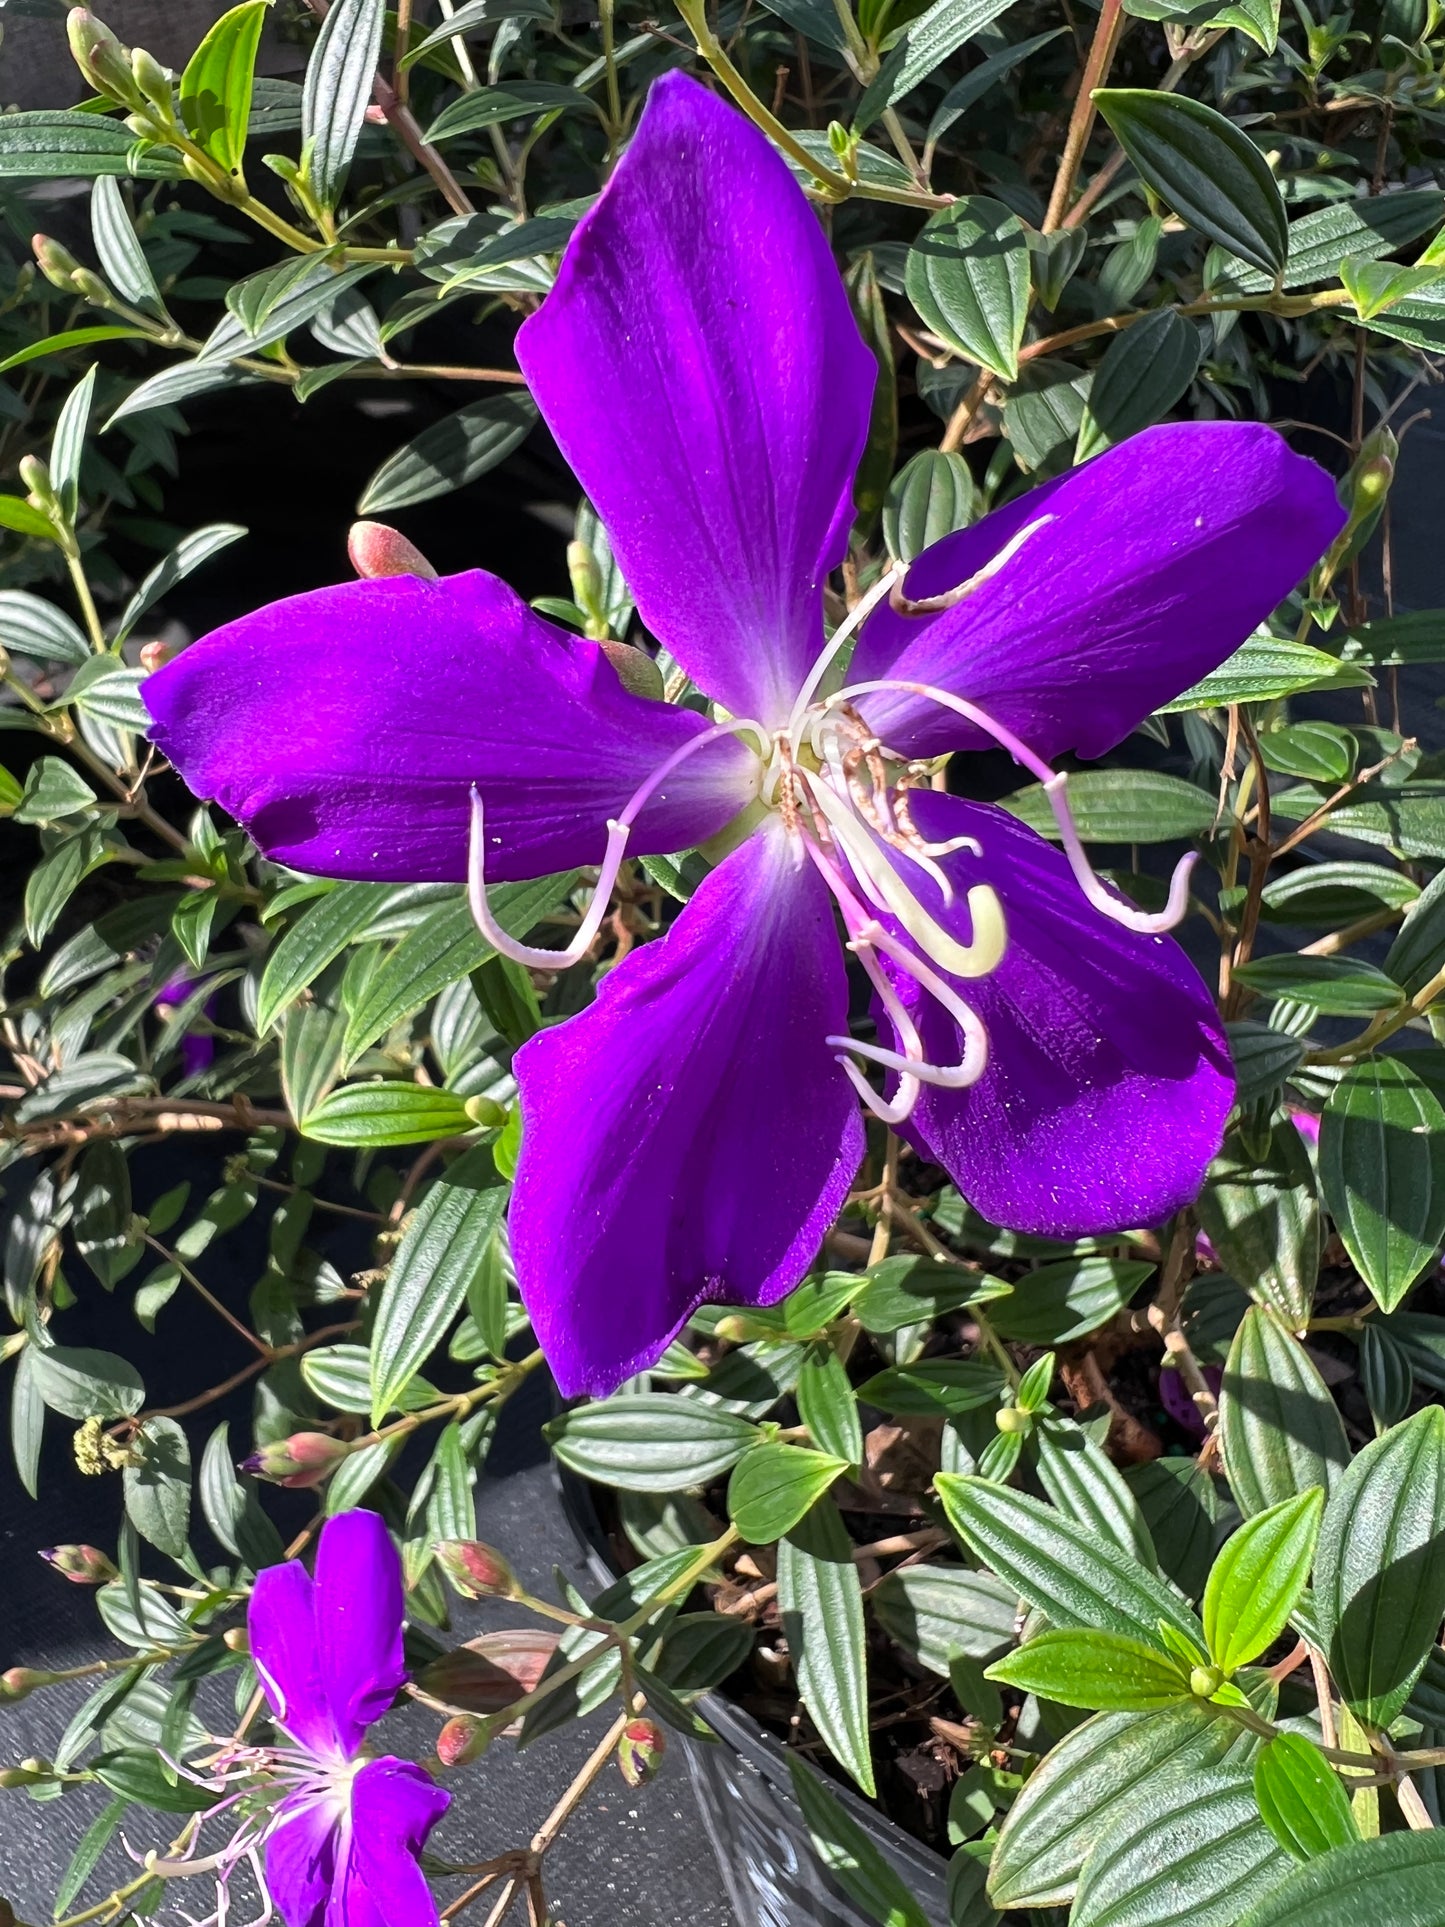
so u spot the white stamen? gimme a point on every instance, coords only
(856, 616)
(905, 605)
(1147, 923)
(618, 828)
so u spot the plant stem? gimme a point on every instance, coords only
(1107, 34)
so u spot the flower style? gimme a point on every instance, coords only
(691, 1135)
(340, 1830)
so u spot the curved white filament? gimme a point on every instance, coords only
(905, 605)
(618, 829)
(1147, 923)
(856, 616)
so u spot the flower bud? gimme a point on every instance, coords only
(36, 477)
(152, 79)
(92, 288)
(636, 671)
(376, 550)
(31, 1773)
(81, 1565)
(486, 1112)
(154, 655)
(463, 1740)
(1205, 1681)
(1010, 1418)
(586, 578)
(101, 58)
(21, 1681)
(236, 1639)
(476, 1571)
(305, 1459)
(640, 1751)
(56, 263)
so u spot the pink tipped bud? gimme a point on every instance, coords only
(21, 1681)
(55, 262)
(636, 671)
(305, 1459)
(475, 1570)
(81, 1565)
(377, 550)
(101, 58)
(640, 1751)
(463, 1740)
(154, 655)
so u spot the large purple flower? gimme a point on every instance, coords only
(341, 1846)
(690, 1136)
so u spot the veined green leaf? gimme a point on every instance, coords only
(1301, 1799)
(1278, 1425)
(1382, 1170)
(1258, 1578)
(1103, 1671)
(821, 1601)
(215, 89)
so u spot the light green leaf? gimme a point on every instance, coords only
(1103, 1671)
(1301, 1799)
(1258, 1578)
(386, 1113)
(215, 89)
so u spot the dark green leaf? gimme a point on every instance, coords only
(937, 1612)
(122, 259)
(445, 1243)
(1205, 167)
(81, 1384)
(1120, 806)
(1418, 953)
(850, 1856)
(1146, 369)
(1087, 1487)
(1279, 1428)
(1177, 1503)
(139, 1775)
(968, 278)
(1068, 1300)
(188, 554)
(1395, 1881)
(514, 100)
(1340, 986)
(158, 1488)
(773, 1485)
(1386, 1377)
(1382, 1170)
(30, 627)
(821, 1602)
(1362, 229)
(928, 498)
(451, 453)
(1380, 1571)
(650, 1442)
(49, 146)
(1262, 670)
(828, 1405)
(947, 1385)
(1394, 642)
(1263, 1218)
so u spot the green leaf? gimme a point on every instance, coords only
(1120, 806)
(445, 1244)
(1068, 1300)
(215, 89)
(340, 1376)
(774, 1485)
(138, 1774)
(232, 1510)
(1205, 167)
(937, 1612)
(1263, 1059)
(1396, 642)
(1325, 895)
(1258, 1579)
(828, 1405)
(930, 497)
(909, 1291)
(1418, 952)
(1301, 1799)
(188, 554)
(1103, 1671)
(1067, 1572)
(1087, 1487)
(158, 1489)
(821, 1602)
(320, 935)
(1363, 228)
(362, 1115)
(1263, 1218)
(54, 146)
(1263, 670)
(1177, 1502)
(52, 790)
(1073, 1797)
(442, 949)
(937, 34)
(71, 338)
(1183, 1849)
(650, 1441)
(1315, 752)
(93, 1843)
(82, 1384)
(1394, 1881)
(451, 453)
(1339, 986)
(947, 1385)
(1380, 1571)
(701, 1650)
(1278, 1425)
(1146, 369)
(336, 91)
(102, 1225)
(850, 1856)
(30, 627)
(1386, 1375)
(513, 100)
(1382, 1170)
(122, 259)
(17, 514)
(968, 278)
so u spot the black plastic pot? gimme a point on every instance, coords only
(772, 1874)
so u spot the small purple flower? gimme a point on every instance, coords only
(339, 1829)
(198, 1048)
(691, 1135)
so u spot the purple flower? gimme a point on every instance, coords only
(198, 1048)
(342, 1843)
(691, 1135)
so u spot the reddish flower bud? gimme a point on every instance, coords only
(377, 550)
(81, 1565)
(154, 654)
(636, 671)
(640, 1751)
(463, 1740)
(56, 263)
(476, 1570)
(305, 1459)
(21, 1681)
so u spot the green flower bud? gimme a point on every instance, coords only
(21, 1681)
(102, 59)
(1010, 1418)
(1205, 1681)
(153, 80)
(81, 1565)
(56, 263)
(36, 477)
(93, 288)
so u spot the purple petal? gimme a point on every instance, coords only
(358, 1621)
(688, 1138)
(282, 1625)
(394, 1806)
(701, 371)
(1161, 558)
(1108, 1080)
(345, 728)
(302, 1851)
